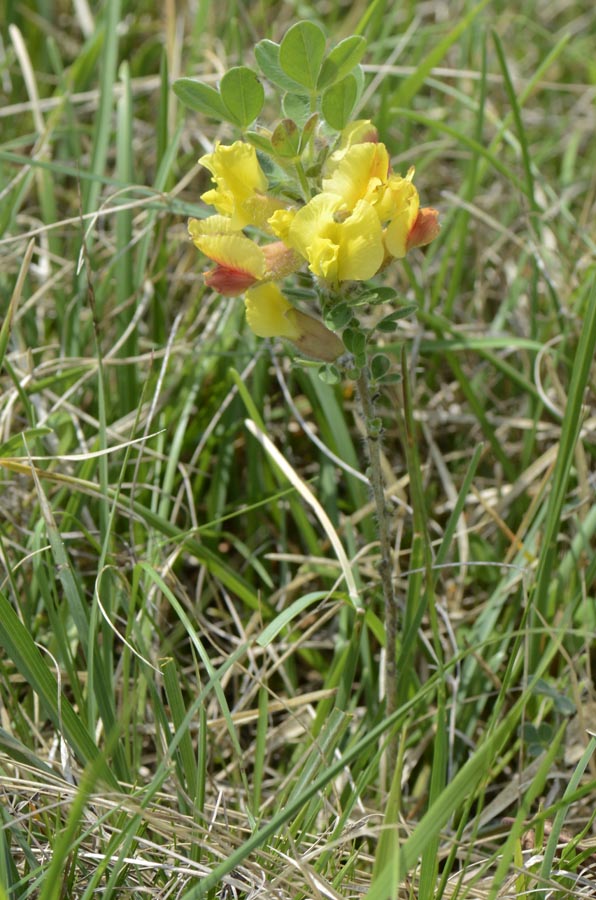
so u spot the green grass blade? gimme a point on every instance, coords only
(516, 112)
(102, 132)
(123, 270)
(532, 793)
(557, 826)
(570, 431)
(412, 84)
(21, 648)
(187, 764)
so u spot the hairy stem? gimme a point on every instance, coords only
(373, 444)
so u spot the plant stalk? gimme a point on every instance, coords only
(373, 445)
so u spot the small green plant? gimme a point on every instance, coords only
(316, 192)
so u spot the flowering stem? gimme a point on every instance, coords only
(373, 444)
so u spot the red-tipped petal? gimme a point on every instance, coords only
(425, 228)
(229, 282)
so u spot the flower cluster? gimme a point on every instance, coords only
(363, 216)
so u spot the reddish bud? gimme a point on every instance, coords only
(425, 228)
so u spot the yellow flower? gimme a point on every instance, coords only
(241, 185)
(399, 206)
(360, 174)
(361, 131)
(266, 309)
(270, 314)
(339, 244)
(409, 226)
(240, 262)
(281, 221)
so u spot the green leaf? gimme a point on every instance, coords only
(267, 57)
(390, 378)
(201, 97)
(390, 323)
(375, 295)
(562, 703)
(308, 130)
(387, 325)
(338, 102)
(338, 316)
(358, 74)
(379, 366)
(242, 94)
(329, 374)
(261, 140)
(301, 53)
(354, 340)
(285, 140)
(296, 107)
(341, 61)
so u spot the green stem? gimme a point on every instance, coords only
(306, 191)
(373, 444)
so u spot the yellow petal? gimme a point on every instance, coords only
(397, 196)
(337, 245)
(359, 174)
(313, 222)
(236, 168)
(234, 251)
(270, 314)
(280, 223)
(210, 225)
(361, 246)
(324, 258)
(239, 179)
(361, 131)
(398, 229)
(266, 307)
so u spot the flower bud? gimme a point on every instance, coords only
(425, 228)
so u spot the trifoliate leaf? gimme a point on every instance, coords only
(379, 366)
(301, 53)
(242, 94)
(267, 56)
(338, 316)
(202, 98)
(355, 341)
(341, 61)
(261, 140)
(374, 295)
(296, 107)
(338, 102)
